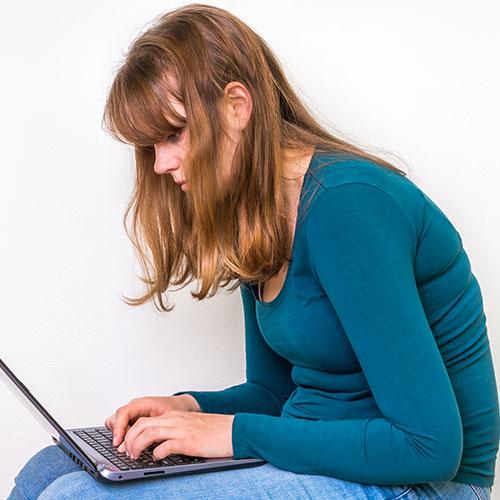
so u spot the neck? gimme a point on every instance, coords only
(296, 162)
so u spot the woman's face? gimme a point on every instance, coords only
(170, 153)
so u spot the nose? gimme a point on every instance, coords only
(165, 162)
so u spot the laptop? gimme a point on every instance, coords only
(92, 448)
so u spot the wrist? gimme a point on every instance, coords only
(190, 402)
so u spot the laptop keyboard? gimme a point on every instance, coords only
(101, 439)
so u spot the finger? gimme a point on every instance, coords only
(139, 427)
(148, 436)
(121, 447)
(109, 422)
(168, 447)
(123, 416)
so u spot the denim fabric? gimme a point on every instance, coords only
(51, 475)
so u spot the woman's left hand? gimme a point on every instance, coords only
(184, 432)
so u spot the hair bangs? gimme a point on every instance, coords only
(139, 112)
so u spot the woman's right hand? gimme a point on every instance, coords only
(148, 406)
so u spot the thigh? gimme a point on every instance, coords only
(262, 482)
(41, 469)
(447, 490)
(482, 492)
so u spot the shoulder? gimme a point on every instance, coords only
(358, 184)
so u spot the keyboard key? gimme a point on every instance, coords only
(167, 461)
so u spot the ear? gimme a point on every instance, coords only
(238, 105)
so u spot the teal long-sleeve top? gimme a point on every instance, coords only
(373, 362)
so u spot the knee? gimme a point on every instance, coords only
(41, 469)
(36, 464)
(50, 453)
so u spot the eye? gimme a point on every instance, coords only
(174, 137)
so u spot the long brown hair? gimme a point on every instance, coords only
(201, 234)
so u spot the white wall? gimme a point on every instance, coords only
(419, 79)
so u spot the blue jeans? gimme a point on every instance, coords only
(51, 475)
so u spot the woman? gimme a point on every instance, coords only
(369, 372)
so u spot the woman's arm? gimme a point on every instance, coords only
(268, 375)
(362, 246)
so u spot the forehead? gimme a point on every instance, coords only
(178, 107)
(173, 93)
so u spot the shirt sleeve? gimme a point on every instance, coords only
(268, 375)
(362, 246)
